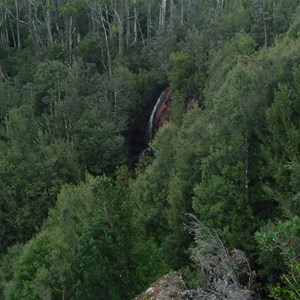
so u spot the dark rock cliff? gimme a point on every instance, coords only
(138, 138)
(163, 113)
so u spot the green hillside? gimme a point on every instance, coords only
(82, 215)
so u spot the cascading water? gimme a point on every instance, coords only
(150, 124)
(149, 133)
(143, 132)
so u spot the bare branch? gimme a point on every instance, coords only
(16, 19)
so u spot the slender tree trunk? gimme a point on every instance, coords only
(47, 16)
(264, 21)
(106, 44)
(35, 30)
(2, 77)
(18, 25)
(15, 16)
(12, 34)
(172, 11)
(121, 26)
(4, 29)
(61, 33)
(92, 24)
(70, 38)
(149, 23)
(221, 3)
(94, 18)
(128, 32)
(30, 25)
(247, 167)
(274, 19)
(107, 16)
(181, 13)
(141, 33)
(119, 12)
(189, 11)
(162, 15)
(135, 25)
(90, 16)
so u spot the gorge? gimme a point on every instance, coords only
(145, 130)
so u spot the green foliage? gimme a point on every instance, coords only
(281, 148)
(290, 288)
(89, 246)
(99, 132)
(279, 246)
(20, 168)
(69, 104)
(166, 185)
(193, 276)
(41, 270)
(295, 25)
(8, 265)
(238, 50)
(54, 52)
(176, 217)
(32, 172)
(283, 236)
(48, 86)
(177, 107)
(100, 143)
(87, 48)
(182, 66)
(235, 18)
(149, 190)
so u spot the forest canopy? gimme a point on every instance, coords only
(82, 214)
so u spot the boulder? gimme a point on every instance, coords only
(170, 286)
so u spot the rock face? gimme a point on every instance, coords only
(163, 113)
(227, 278)
(210, 295)
(143, 132)
(170, 286)
(138, 138)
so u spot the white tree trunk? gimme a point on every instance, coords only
(149, 23)
(106, 44)
(18, 25)
(128, 32)
(135, 25)
(162, 15)
(47, 16)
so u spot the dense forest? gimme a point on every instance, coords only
(82, 215)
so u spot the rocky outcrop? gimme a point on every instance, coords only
(228, 276)
(170, 286)
(222, 282)
(227, 272)
(212, 295)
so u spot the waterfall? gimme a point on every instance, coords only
(150, 124)
(142, 133)
(149, 132)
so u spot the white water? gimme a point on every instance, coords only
(150, 124)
